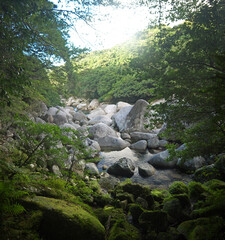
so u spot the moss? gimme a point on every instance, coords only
(125, 196)
(154, 220)
(213, 205)
(64, 220)
(215, 184)
(207, 173)
(122, 230)
(197, 191)
(173, 208)
(135, 211)
(133, 188)
(159, 195)
(178, 187)
(24, 226)
(203, 228)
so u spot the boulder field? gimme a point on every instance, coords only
(118, 131)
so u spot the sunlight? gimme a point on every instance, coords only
(110, 27)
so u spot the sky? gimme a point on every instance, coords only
(110, 26)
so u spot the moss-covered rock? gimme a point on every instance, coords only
(122, 230)
(203, 229)
(214, 205)
(134, 188)
(64, 220)
(125, 196)
(117, 226)
(178, 187)
(135, 210)
(159, 195)
(154, 220)
(207, 173)
(215, 184)
(197, 191)
(173, 208)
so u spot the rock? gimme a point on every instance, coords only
(65, 220)
(178, 187)
(220, 164)
(153, 142)
(159, 160)
(82, 106)
(96, 112)
(101, 119)
(135, 210)
(52, 111)
(93, 145)
(56, 171)
(59, 119)
(79, 116)
(191, 164)
(109, 143)
(136, 136)
(92, 169)
(93, 104)
(120, 117)
(206, 228)
(71, 126)
(154, 220)
(110, 109)
(173, 208)
(146, 170)
(124, 167)
(125, 135)
(109, 182)
(101, 130)
(122, 105)
(142, 202)
(163, 143)
(39, 120)
(136, 120)
(139, 146)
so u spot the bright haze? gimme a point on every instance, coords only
(109, 26)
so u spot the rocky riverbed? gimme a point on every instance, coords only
(115, 132)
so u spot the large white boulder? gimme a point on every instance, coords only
(97, 112)
(101, 119)
(109, 143)
(136, 119)
(120, 117)
(110, 109)
(101, 130)
(93, 104)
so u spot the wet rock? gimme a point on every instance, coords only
(153, 142)
(146, 170)
(124, 167)
(159, 160)
(136, 136)
(191, 164)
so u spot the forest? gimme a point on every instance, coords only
(44, 191)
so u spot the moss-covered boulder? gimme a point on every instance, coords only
(154, 221)
(207, 173)
(203, 229)
(122, 230)
(173, 208)
(215, 184)
(64, 220)
(117, 226)
(134, 188)
(125, 196)
(135, 211)
(178, 187)
(197, 191)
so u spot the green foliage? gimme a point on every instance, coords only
(8, 198)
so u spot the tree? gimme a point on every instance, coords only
(191, 79)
